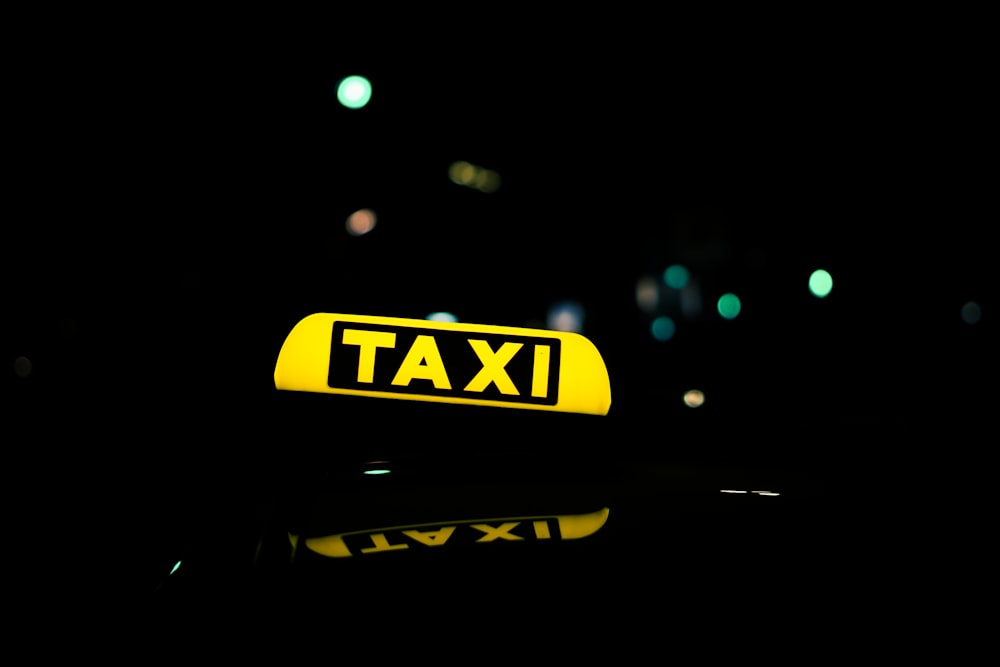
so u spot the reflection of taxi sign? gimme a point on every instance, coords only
(445, 362)
(517, 529)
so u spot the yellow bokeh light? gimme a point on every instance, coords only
(488, 180)
(462, 172)
(693, 398)
(474, 176)
(647, 294)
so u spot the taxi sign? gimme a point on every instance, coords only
(444, 362)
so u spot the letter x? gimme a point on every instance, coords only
(493, 367)
(502, 533)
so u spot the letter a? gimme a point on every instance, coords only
(423, 361)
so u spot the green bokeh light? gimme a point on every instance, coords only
(354, 92)
(676, 276)
(728, 305)
(820, 283)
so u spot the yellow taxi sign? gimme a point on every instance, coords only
(444, 362)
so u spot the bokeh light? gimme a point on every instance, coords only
(693, 398)
(691, 302)
(663, 328)
(487, 180)
(474, 176)
(820, 283)
(971, 312)
(462, 173)
(647, 294)
(729, 305)
(354, 92)
(676, 276)
(442, 316)
(565, 316)
(361, 222)
(22, 367)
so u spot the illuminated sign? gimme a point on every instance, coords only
(476, 531)
(446, 362)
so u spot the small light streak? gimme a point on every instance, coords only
(442, 316)
(766, 493)
(176, 566)
(694, 398)
(378, 471)
(731, 491)
(361, 222)
(22, 367)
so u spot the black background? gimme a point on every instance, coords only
(176, 198)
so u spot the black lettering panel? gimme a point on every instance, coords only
(437, 362)
(453, 536)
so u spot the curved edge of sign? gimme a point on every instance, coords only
(303, 362)
(575, 526)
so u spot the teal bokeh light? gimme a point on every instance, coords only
(676, 276)
(354, 92)
(820, 283)
(971, 312)
(729, 306)
(663, 328)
